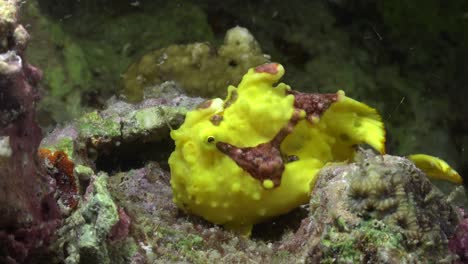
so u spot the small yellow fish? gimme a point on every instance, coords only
(435, 168)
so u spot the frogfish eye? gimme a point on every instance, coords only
(210, 139)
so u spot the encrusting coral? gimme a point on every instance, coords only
(400, 196)
(378, 209)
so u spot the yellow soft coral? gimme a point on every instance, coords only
(256, 154)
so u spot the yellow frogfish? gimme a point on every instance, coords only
(256, 154)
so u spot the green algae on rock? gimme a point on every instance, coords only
(99, 129)
(63, 143)
(373, 235)
(200, 68)
(98, 132)
(83, 236)
(74, 152)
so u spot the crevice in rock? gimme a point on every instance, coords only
(134, 155)
(273, 230)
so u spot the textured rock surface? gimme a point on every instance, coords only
(83, 236)
(168, 236)
(122, 122)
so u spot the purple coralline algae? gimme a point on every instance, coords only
(458, 244)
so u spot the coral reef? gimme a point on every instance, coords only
(200, 68)
(102, 181)
(29, 213)
(381, 209)
(129, 216)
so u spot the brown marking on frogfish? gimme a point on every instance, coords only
(204, 104)
(216, 119)
(265, 160)
(271, 68)
(313, 104)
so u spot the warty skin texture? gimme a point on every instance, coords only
(255, 155)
